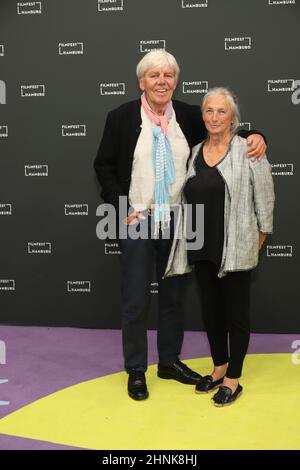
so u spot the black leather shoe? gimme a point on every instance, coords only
(206, 384)
(180, 372)
(224, 395)
(137, 387)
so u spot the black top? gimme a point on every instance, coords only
(207, 187)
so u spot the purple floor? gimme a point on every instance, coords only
(41, 361)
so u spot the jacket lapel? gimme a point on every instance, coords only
(191, 167)
(225, 166)
(133, 127)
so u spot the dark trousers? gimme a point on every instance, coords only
(138, 259)
(225, 303)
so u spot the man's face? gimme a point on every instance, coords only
(158, 84)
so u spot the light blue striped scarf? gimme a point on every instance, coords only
(164, 175)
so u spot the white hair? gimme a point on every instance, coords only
(158, 58)
(232, 101)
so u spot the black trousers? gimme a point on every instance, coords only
(225, 303)
(138, 257)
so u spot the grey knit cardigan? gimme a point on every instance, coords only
(248, 210)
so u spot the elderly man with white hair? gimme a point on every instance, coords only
(143, 156)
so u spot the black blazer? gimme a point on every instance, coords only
(113, 163)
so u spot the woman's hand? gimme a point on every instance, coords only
(262, 237)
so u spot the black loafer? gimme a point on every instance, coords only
(180, 372)
(137, 387)
(207, 384)
(224, 395)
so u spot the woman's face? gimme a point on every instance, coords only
(158, 84)
(217, 115)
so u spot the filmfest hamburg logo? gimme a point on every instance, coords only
(76, 209)
(282, 2)
(152, 45)
(282, 251)
(282, 169)
(73, 130)
(112, 249)
(110, 5)
(200, 86)
(241, 43)
(36, 170)
(39, 248)
(33, 90)
(7, 284)
(194, 3)
(79, 286)
(29, 8)
(245, 125)
(5, 209)
(3, 131)
(112, 89)
(70, 48)
(154, 288)
(281, 84)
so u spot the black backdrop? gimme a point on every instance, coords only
(63, 65)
